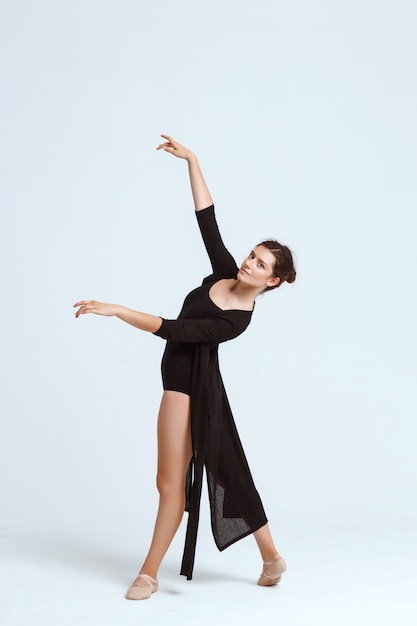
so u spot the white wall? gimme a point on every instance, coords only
(303, 116)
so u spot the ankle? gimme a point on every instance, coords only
(149, 572)
(269, 557)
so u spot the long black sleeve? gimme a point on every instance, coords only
(216, 329)
(220, 258)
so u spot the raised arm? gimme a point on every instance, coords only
(201, 195)
(220, 257)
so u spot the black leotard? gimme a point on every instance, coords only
(177, 360)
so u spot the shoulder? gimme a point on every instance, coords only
(229, 271)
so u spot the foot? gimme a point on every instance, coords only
(142, 588)
(272, 572)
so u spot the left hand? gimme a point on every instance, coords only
(92, 306)
(175, 148)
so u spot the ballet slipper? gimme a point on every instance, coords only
(142, 589)
(272, 572)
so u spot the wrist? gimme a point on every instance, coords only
(117, 310)
(191, 159)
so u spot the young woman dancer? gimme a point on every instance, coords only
(196, 429)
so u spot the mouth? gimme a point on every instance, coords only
(243, 270)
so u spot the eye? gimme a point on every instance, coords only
(261, 265)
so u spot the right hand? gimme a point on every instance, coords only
(175, 148)
(92, 306)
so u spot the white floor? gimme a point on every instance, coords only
(338, 574)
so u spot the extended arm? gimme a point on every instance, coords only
(216, 329)
(143, 321)
(201, 195)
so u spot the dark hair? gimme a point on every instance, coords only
(284, 264)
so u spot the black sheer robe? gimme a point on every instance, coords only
(235, 505)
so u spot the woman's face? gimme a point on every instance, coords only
(257, 269)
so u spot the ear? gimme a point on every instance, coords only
(272, 282)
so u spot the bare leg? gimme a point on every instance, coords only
(274, 565)
(265, 544)
(174, 455)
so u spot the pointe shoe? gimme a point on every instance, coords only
(272, 572)
(142, 589)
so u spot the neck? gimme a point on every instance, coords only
(244, 292)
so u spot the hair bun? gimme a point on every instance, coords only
(291, 277)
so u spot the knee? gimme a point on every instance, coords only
(168, 487)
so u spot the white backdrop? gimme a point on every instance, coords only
(303, 117)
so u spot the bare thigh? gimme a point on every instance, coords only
(174, 438)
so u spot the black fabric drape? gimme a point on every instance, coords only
(235, 506)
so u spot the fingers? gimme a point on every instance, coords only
(175, 148)
(165, 146)
(86, 306)
(85, 303)
(170, 144)
(81, 302)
